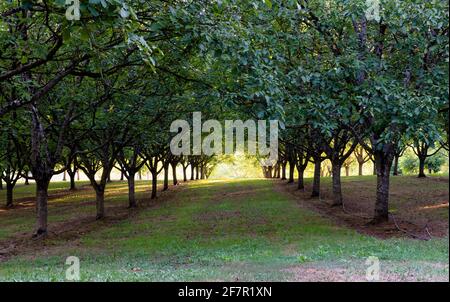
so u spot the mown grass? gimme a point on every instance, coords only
(23, 191)
(227, 230)
(64, 207)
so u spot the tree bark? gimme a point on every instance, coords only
(301, 183)
(374, 168)
(41, 207)
(269, 172)
(184, 174)
(422, 167)
(337, 190)
(196, 172)
(64, 176)
(27, 182)
(166, 177)
(395, 172)
(291, 173)
(283, 171)
(9, 194)
(277, 170)
(100, 203)
(154, 185)
(174, 174)
(347, 171)
(192, 172)
(131, 190)
(383, 165)
(316, 181)
(202, 172)
(360, 169)
(72, 180)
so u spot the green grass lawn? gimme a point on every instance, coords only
(220, 230)
(23, 191)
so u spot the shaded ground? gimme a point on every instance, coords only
(419, 206)
(245, 230)
(70, 216)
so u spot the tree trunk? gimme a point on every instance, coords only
(121, 175)
(383, 165)
(277, 170)
(1, 184)
(374, 168)
(316, 182)
(360, 169)
(72, 181)
(337, 191)
(78, 174)
(283, 171)
(166, 178)
(64, 176)
(192, 172)
(269, 172)
(184, 174)
(140, 175)
(422, 167)
(347, 171)
(100, 203)
(131, 190)
(202, 172)
(196, 173)
(154, 185)
(291, 173)
(301, 183)
(9, 195)
(27, 182)
(174, 174)
(41, 207)
(395, 172)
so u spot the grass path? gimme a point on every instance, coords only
(242, 230)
